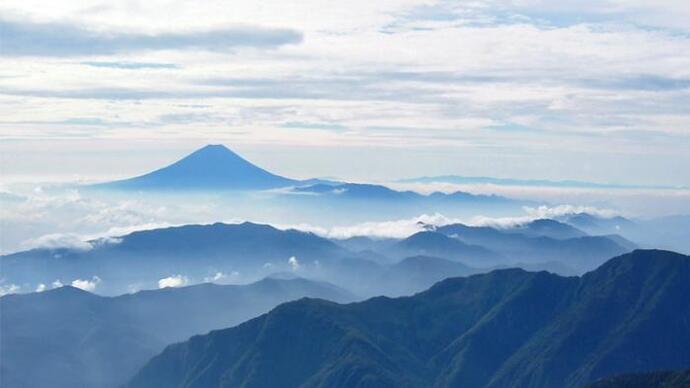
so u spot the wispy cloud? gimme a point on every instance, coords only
(7, 289)
(26, 38)
(130, 65)
(59, 240)
(493, 80)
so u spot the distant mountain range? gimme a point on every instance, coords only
(138, 260)
(217, 169)
(371, 192)
(440, 245)
(531, 245)
(669, 232)
(542, 241)
(70, 338)
(507, 328)
(458, 179)
(247, 252)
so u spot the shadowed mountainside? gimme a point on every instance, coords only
(71, 338)
(508, 328)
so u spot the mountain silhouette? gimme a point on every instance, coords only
(211, 167)
(143, 257)
(535, 243)
(67, 337)
(507, 328)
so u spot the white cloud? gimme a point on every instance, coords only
(218, 276)
(87, 285)
(41, 287)
(438, 75)
(57, 284)
(59, 240)
(294, 263)
(564, 210)
(173, 281)
(67, 219)
(7, 289)
(379, 229)
(540, 212)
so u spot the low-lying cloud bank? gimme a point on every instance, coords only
(403, 228)
(68, 219)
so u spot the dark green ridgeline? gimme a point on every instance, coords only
(508, 328)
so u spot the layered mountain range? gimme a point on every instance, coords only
(67, 337)
(248, 252)
(507, 328)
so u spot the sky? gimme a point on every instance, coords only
(586, 90)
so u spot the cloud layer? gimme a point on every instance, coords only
(25, 38)
(473, 88)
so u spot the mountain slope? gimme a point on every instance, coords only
(440, 245)
(508, 328)
(196, 251)
(212, 167)
(582, 253)
(547, 228)
(632, 311)
(372, 192)
(71, 338)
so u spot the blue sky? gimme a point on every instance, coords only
(587, 90)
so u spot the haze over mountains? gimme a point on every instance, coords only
(247, 252)
(508, 328)
(217, 168)
(512, 301)
(339, 194)
(71, 338)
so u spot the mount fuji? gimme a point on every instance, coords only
(212, 167)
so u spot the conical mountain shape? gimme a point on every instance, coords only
(212, 167)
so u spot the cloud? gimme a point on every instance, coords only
(56, 218)
(394, 229)
(294, 263)
(7, 289)
(57, 284)
(41, 287)
(218, 276)
(26, 38)
(403, 228)
(130, 65)
(378, 229)
(173, 281)
(541, 212)
(57, 241)
(87, 285)
(564, 210)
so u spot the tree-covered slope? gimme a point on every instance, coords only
(508, 328)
